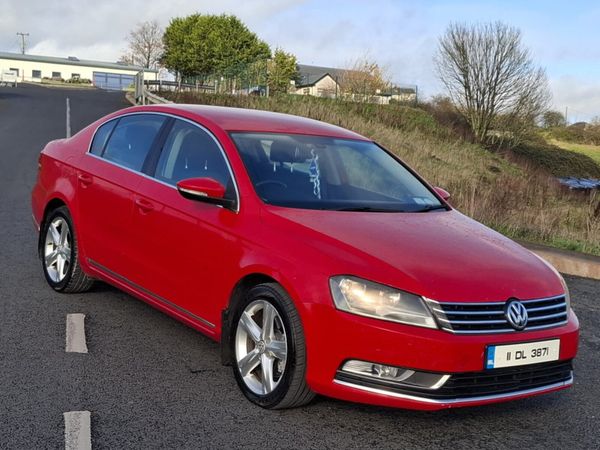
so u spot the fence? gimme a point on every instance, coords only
(253, 79)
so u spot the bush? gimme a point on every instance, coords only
(577, 133)
(78, 80)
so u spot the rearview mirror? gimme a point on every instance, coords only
(442, 192)
(207, 190)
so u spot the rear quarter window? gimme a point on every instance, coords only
(101, 136)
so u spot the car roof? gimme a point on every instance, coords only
(252, 120)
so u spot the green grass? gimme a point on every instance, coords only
(519, 199)
(558, 160)
(591, 151)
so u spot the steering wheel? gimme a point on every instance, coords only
(264, 182)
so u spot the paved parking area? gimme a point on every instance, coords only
(151, 382)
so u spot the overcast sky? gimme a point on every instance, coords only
(401, 35)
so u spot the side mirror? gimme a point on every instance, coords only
(442, 193)
(207, 190)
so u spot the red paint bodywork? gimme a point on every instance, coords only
(186, 257)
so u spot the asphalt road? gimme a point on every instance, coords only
(151, 382)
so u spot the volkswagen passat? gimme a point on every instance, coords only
(319, 261)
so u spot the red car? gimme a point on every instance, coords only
(320, 261)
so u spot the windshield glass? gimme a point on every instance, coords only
(313, 172)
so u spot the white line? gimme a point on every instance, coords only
(78, 435)
(68, 118)
(75, 336)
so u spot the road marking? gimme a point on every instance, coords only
(75, 336)
(68, 118)
(78, 435)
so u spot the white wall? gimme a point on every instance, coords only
(26, 69)
(325, 87)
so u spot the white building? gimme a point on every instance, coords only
(319, 81)
(329, 82)
(105, 75)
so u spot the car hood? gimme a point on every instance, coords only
(442, 255)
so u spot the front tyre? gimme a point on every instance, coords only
(60, 254)
(269, 349)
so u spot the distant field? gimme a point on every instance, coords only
(593, 151)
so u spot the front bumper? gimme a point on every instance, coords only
(340, 336)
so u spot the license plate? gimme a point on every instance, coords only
(521, 354)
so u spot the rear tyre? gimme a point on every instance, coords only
(269, 351)
(60, 255)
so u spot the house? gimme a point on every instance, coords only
(322, 81)
(398, 94)
(319, 81)
(106, 75)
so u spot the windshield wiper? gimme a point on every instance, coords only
(367, 209)
(430, 208)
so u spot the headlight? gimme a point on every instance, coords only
(376, 300)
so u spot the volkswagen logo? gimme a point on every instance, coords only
(516, 314)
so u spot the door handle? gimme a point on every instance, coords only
(85, 179)
(144, 205)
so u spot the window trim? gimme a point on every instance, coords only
(161, 136)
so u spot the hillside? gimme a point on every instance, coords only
(515, 199)
(589, 150)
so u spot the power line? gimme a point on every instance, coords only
(22, 41)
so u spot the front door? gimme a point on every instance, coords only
(183, 248)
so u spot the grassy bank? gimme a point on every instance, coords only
(591, 151)
(516, 199)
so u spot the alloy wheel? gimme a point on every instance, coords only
(261, 347)
(57, 249)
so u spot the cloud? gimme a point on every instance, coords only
(581, 97)
(400, 35)
(84, 26)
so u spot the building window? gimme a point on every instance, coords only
(306, 91)
(36, 74)
(56, 75)
(75, 76)
(14, 70)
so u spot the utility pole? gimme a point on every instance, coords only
(22, 41)
(566, 115)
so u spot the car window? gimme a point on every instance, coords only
(190, 152)
(101, 136)
(314, 172)
(132, 138)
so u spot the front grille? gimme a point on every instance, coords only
(470, 385)
(474, 318)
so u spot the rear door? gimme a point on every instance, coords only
(106, 187)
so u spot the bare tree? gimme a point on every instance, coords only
(364, 79)
(145, 45)
(492, 79)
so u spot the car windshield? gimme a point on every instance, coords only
(313, 172)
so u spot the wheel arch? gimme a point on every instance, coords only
(51, 205)
(246, 283)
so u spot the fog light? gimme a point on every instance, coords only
(407, 377)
